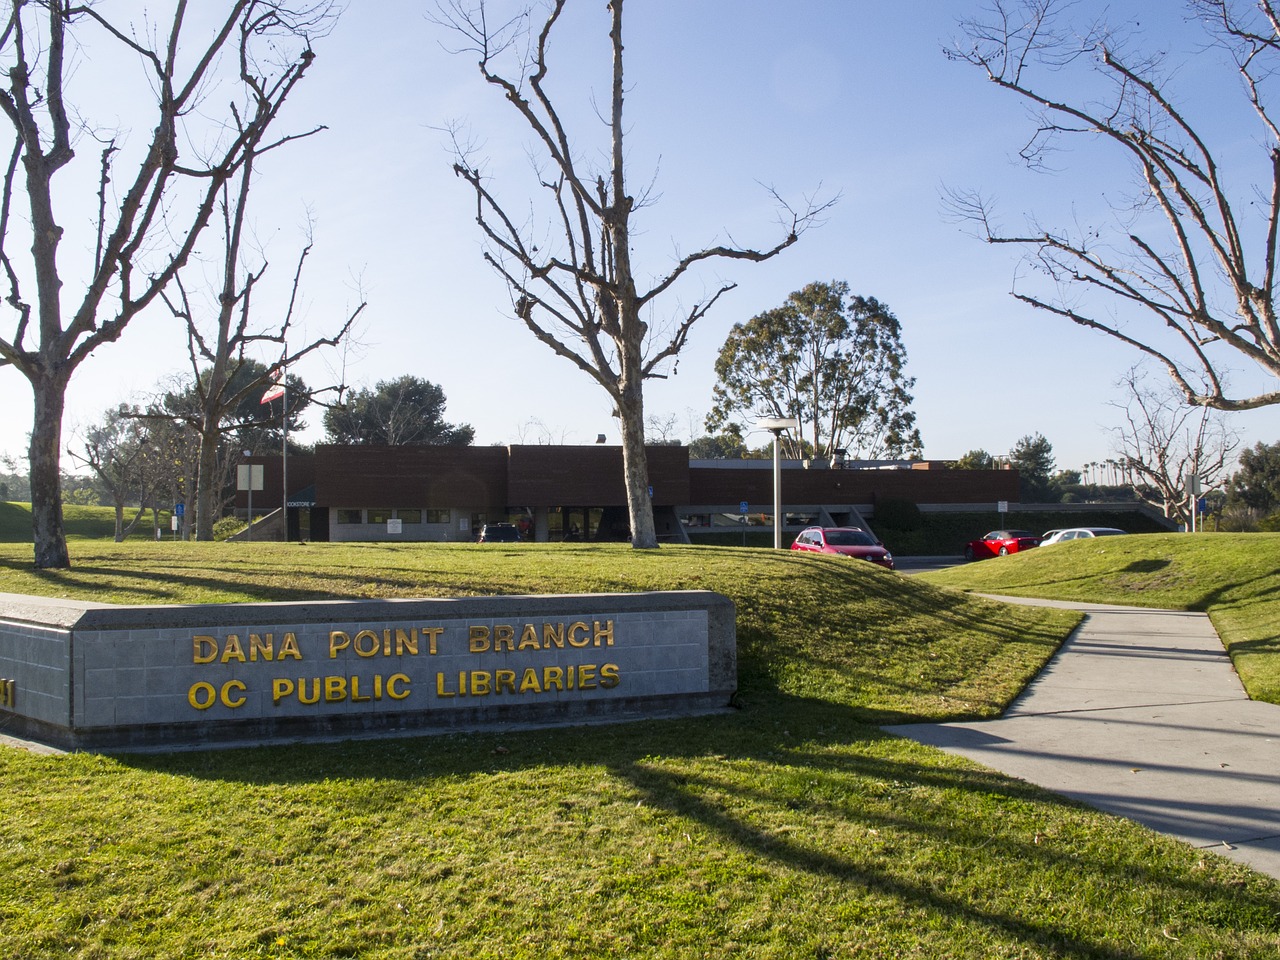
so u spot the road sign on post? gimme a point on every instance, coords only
(249, 477)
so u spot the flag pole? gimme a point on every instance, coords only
(284, 453)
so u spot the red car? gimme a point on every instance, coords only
(848, 541)
(998, 543)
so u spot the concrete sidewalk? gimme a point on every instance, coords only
(1141, 714)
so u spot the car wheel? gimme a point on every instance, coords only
(968, 553)
(1004, 551)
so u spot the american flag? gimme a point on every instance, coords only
(276, 390)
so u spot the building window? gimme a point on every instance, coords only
(379, 514)
(409, 514)
(350, 516)
(437, 516)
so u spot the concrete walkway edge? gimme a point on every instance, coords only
(1141, 714)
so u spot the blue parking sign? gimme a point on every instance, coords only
(179, 509)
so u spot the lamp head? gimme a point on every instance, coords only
(778, 424)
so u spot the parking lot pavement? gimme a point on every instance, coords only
(1141, 714)
(923, 564)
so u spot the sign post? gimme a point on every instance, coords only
(1193, 491)
(249, 477)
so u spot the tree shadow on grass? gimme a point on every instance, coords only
(177, 585)
(803, 787)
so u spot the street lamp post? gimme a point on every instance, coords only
(776, 425)
(247, 454)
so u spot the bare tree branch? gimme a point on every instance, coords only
(146, 233)
(578, 293)
(1186, 258)
(1163, 441)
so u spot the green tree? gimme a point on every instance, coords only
(728, 445)
(1032, 457)
(1257, 483)
(407, 410)
(976, 460)
(834, 362)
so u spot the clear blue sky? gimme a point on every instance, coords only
(839, 96)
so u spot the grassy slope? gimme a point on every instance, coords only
(789, 828)
(81, 523)
(1235, 578)
(811, 626)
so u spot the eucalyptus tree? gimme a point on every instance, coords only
(573, 270)
(833, 361)
(148, 201)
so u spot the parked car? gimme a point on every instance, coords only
(847, 541)
(998, 543)
(499, 533)
(1080, 533)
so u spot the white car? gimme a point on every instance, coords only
(1078, 533)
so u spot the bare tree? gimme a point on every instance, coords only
(148, 220)
(1188, 252)
(663, 428)
(1164, 440)
(118, 451)
(219, 350)
(575, 286)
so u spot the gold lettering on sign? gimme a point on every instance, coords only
(261, 647)
(319, 689)
(8, 694)
(309, 691)
(506, 638)
(483, 683)
(389, 642)
(204, 695)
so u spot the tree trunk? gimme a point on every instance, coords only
(46, 476)
(635, 465)
(207, 493)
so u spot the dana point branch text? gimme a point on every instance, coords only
(459, 639)
(400, 641)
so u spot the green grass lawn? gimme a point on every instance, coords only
(1235, 578)
(791, 827)
(80, 523)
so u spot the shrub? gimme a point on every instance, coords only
(227, 527)
(897, 514)
(1237, 518)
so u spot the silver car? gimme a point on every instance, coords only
(1079, 533)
